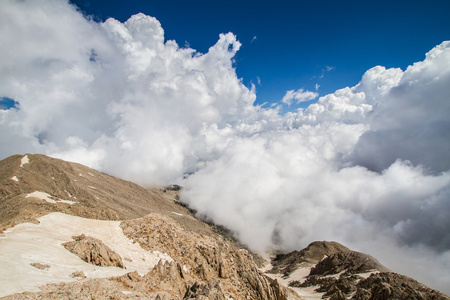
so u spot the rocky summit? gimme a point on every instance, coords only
(70, 232)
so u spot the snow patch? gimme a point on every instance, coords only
(300, 275)
(49, 198)
(19, 248)
(24, 161)
(92, 187)
(15, 178)
(177, 214)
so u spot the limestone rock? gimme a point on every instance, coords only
(394, 286)
(315, 252)
(350, 261)
(94, 251)
(205, 265)
(211, 290)
(79, 274)
(41, 266)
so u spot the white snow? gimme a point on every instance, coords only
(300, 274)
(41, 243)
(24, 160)
(15, 178)
(92, 187)
(177, 214)
(48, 198)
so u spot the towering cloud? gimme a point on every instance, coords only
(367, 166)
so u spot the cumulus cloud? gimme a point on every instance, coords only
(298, 96)
(367, 165)
(412, 122)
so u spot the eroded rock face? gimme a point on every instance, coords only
(94, 251)
(385, 285)
(204, 267)
(394, 286)
(344, 274)
(315, 252)
(351, 262)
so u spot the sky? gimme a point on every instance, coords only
(292, 45)
(158, 95)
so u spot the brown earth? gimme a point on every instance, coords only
(98, 196)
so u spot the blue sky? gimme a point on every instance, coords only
(288, 45)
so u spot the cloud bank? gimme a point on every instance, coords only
(367, 166)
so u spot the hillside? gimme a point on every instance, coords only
(166, 253)
(70, 232)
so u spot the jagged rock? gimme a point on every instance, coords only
(385, 285)
(167, 276)
(350, 261)
(94, 251)
(394, 286)
(315, 252)
(172, 187)
(201, 258)
(79, 274)
(41, 266)
(337, 295)
(211, 290)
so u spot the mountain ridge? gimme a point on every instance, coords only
(156, 246)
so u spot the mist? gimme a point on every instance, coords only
(367, 166)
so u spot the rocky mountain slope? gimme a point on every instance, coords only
(70, 232)
(123, 241)
(331, 270)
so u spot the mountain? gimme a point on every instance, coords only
(331, 270)
(70, 232)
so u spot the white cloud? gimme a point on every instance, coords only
(118, 97)
(299, 96)
(411, 121)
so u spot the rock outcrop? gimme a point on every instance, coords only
(345, 274)
(206, 265)
(94, 251)
(385, 285)
(394, 286)
(349, 261)
(315, 252)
